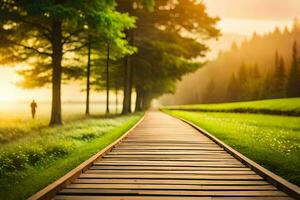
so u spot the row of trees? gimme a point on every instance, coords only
(123, 44)
(257, 50)
(250, 84)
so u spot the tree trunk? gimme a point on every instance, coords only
(107, 77)
(56, 41)
(146, 101)
(127, 6)
(116, 99)
(128, 75)
(143, 100)
(127, 93)
(131, 67)
(138, 100)
(87, 108)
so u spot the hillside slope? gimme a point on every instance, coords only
(288, 106)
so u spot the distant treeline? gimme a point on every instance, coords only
(250, 84)
(262, 67)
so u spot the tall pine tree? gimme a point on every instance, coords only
(253, 85)
(278, 79)
(243, 78)
(210, 93)
(233, 89)
(293, 89)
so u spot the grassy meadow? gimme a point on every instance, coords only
(16, 122)
(288, 106)
(32, 155)
(273, 141)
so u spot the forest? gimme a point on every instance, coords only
(262, 67)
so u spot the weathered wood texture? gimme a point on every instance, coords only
(164, 158)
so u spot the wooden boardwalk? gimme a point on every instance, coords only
(164, 158)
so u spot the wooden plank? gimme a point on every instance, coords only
(96, 171)
(168, 144)
(227, 160)
(252, 198)
(169, 163)
(157, 141)
(168, 156)
(62, 197)
(162, 168)
(184, 147)
(174, 192)
(168, 150)
(161, 138)
(173, 176)
(171, 181)
(174, 152)
(174, 187)
(168, 141)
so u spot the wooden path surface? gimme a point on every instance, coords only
(164, 158)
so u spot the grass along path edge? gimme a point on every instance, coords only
(269, 176)
(24, 183)
(54, 187)
(271, 141)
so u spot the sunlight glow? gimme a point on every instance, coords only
(9, 90)
(248, 26)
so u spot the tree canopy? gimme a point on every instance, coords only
(167, 45)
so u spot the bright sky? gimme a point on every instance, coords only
(242, 17)
(10, 91)
(246, 16)
(248, 26)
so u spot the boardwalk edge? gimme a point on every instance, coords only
(50, 191)
(275, 180)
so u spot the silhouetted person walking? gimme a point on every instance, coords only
(33, 106)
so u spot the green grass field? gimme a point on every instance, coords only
(270, 140)
(290, 106)
(33, 155)
(16, 122)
